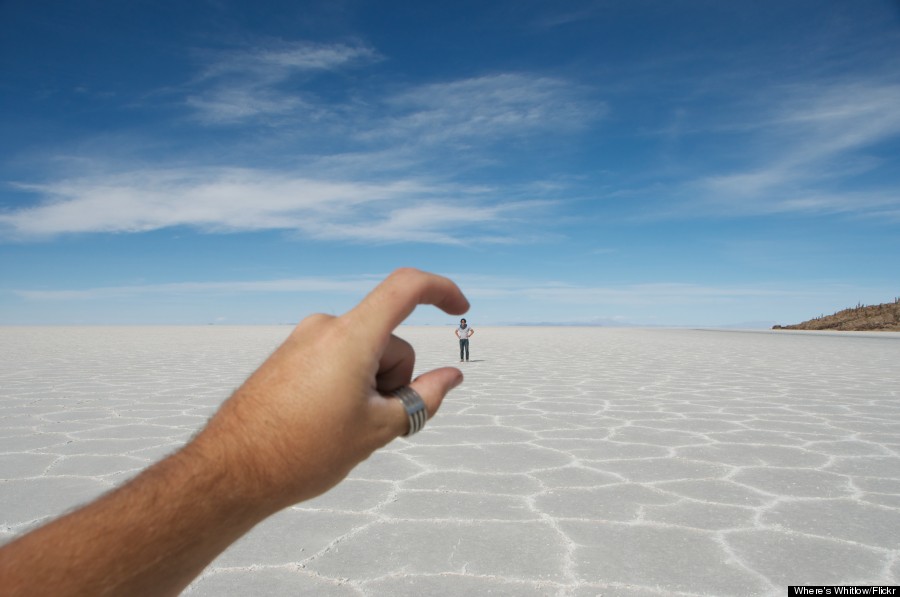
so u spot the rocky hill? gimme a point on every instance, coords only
(863, 318)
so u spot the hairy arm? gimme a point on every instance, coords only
(149, 537)
(294, 429)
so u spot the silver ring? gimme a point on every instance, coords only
(415, 408)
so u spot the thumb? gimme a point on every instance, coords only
(432, 387)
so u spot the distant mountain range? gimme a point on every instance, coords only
(862, 318)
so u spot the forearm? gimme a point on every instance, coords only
(153, 535)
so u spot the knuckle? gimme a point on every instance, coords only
(314, 320)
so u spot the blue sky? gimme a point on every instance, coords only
(608, 161)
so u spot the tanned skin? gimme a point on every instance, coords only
(311, 412)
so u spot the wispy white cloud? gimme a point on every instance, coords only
(510, 299)
(277, 60)
(479, 109)
(232, 200)
(238, 86)
(484, 107)
(439, 222)
(644, 294)
(237, 104)
(476, 286)
(504, 299)
(356, 285)
(812, 138)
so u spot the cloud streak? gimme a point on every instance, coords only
(227, 200)
(484, 107)
(278, 60)
(497, 294)
(648, 294)
(476, 287)
(813, 139)
(241, 86)
(349, 285)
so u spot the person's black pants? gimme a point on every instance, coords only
(463, 347)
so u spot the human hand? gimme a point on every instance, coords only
(318, 407)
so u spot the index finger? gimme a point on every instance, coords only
(397, 296)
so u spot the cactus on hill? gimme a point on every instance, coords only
(883, 317)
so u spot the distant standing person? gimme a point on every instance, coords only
(463, 332)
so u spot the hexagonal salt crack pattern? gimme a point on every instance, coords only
(572, 461)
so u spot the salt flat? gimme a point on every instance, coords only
(572, 461)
